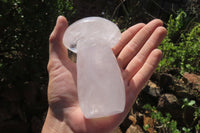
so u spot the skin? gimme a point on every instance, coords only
(137, 56)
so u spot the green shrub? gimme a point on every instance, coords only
(181, 49)
(161, 122)
(166, 124)
(25, 29)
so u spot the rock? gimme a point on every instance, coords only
(149, 121)
(145, 98)
(166, 81)
(188, 86)
(134, 129)
(174, 71)
(182, 91)
(167, 100)
(168, 103)
(193, 79)
(188, 115)
(133, 119)
(155, 77)
(152, 89)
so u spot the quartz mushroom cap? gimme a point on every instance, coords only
(91, 28)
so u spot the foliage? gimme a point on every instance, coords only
(191, 103)
(187, 103)
(186, 130)
(25, 29)
(181, 49)
(129, 12)
(146, 127)
(197, 113)
(197, 127)
(65, 7)
(165, 123)
(174, 25)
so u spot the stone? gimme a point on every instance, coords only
(101, 90)
(166, 81)
(149, 121)
(152, 89)
(168, 103)
(133, 119)
(193, 79)
(168, 100)
(134, 129)
(183, 91)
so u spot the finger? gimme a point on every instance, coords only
(56, 47)
(132, 48)
(139, 80)
(126, 37)
(137, 62)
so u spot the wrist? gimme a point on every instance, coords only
(54, 125)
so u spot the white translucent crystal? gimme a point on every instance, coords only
(91, 27)
(101, 90)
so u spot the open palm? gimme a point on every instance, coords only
(137, 56)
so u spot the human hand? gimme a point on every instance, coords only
(137, 56)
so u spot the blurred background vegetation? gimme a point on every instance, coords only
(25, 27)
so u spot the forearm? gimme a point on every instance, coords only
(54, 125)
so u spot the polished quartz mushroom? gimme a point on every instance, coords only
(101, 90)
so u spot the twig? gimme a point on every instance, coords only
(124, 7)
(116, 8)
(160, 6)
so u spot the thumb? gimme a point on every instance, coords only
(56, 47)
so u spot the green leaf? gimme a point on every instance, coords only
(147, 126)
(187, 130)
(197, 127)
(191, 103)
